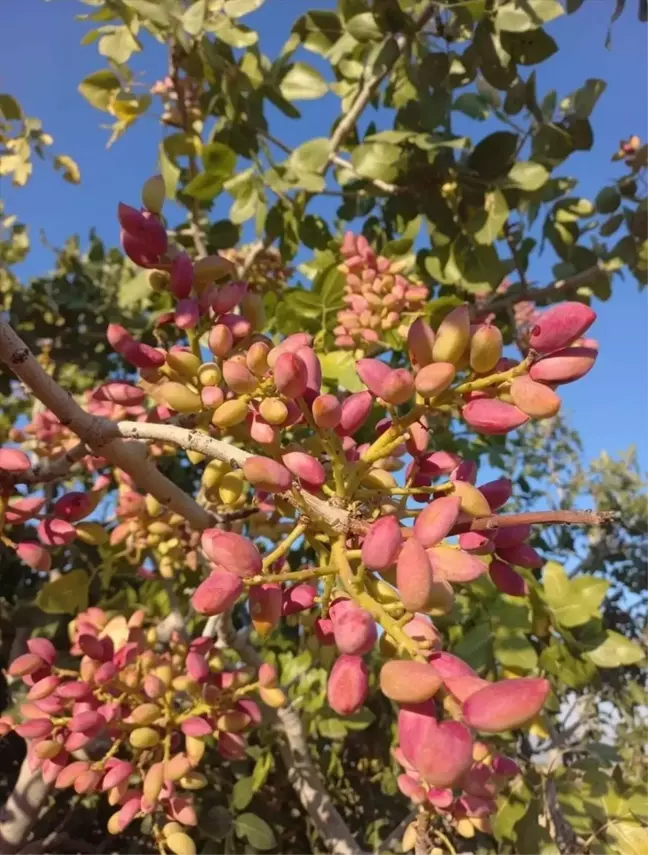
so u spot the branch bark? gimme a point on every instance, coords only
(373, 82)
(337, 518)
(300, 769)
(23, 807)
(96, 432)
(539, 295)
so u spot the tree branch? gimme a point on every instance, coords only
(46, 470)
(338, 519)
(22, 808)
(539, 295)
(373, 82)
(302, 773)
(95, 432)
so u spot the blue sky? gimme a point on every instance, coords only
(42, 62)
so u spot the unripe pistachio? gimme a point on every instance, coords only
(265, 607)
(267, 675)
(220, 340)
(434, 378)
(409, 837)
(454, 565)
(408, 682)
(209, 374)
(253, 309)
(397, 387)
(267, 475)
(179, 397)
(144, 714)
(217, 593)
(413, 575)
(291, 344)
(257, 358)
(290, 375)
(472, 501)
(453, 336)
(373, 374)
(273, 410)
(490, 416)
(420, 343)
(230, 488)
(230, 413)
(561, 325)
(437, 519)
(534, 399)
(177, 767)
(485, 348)
(170, 828)
(354, 412)
(238, 376)
(210, 269)
(272, 697)
(520, 554)
(506, 704)
(564, 366)
(382, 544)
(193, 781)
(144, 737)
(233, 552)
(34, 556)
(348, 685)
(497, 492)
(327, 411)
(153, 194)
(506, 579)
(153, 781)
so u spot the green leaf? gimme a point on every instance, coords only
(314, 232)
(590, 591)
(223, 234)
(338, 366)
(238, 8)
(329, 284)
(219, 160)
(608, 200)
(527, 175)
(551, 145)
(629, 838)
(303, 302)
(486, 225)
(242, 793)
(261, 770)
(303, 83)
(615, 651)
(10, 108)
(204, 186)
(475, 646)
(332, 728)
(494, 156)
(99, 88)
(527, 15)
(152, 10)
(66, 595)
(71, 171)
(216, 823)
(473, 105)
(584, 99)
(529, 48)
(510, 810)
(119, 45)
(311, 156)
(234, 35)
(376, 160)
(255, 830)
(474, 266)
(193, 18)
(360, 720)
(169, 171)
(568, 610)
(513, 650)
(364, 27)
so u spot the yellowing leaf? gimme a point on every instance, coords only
(71, 171)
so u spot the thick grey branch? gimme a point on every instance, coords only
(95, 432)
